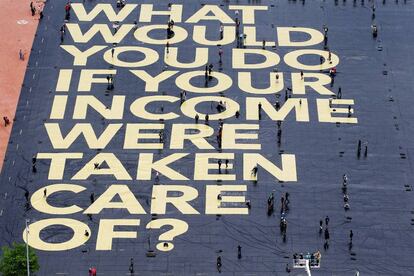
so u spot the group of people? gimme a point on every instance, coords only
(183, 96)
(170, 26)
(110, 80)
(360, 148)
(6, 121)
(284, 208)
(240, 37)
(345, 192)
(374, 27)
(219, 163)
(92, 271)
(314, 258)
(37, 8)
(208, 74)
(326, 232)
(120, 3)
(219, 263)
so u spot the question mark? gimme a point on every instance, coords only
(178, 227)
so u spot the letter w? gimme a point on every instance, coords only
(79, 37)
(60, 142)
(109, 11)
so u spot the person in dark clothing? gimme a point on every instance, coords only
(67, 10)
(210, 70)
(62, 36)
(270, 204)
(6, 121)
(339, 96)
(254, 171)
(32, 8)
(366, 149)
(131, 266)
(34, 160)
(260, 110)
(326, 234)
(218, 264)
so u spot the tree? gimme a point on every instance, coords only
(13, 261)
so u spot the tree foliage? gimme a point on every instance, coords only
(13, 261)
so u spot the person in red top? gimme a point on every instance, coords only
(67, 10)
(332, 72)
(67, 7)
(92, 271)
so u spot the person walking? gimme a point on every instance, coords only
(131, 266)
(254, 171)
(32, 8)
(218, 264)
(67, 10)
(326, 234)
(21, 54)
(220, 52)
(326, 244)
(366, 149)
(34, 160)
(210, 70)
(259, 108)
(270, 204)
(62, 36)
(6, 121)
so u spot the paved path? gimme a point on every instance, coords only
(17, 32)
